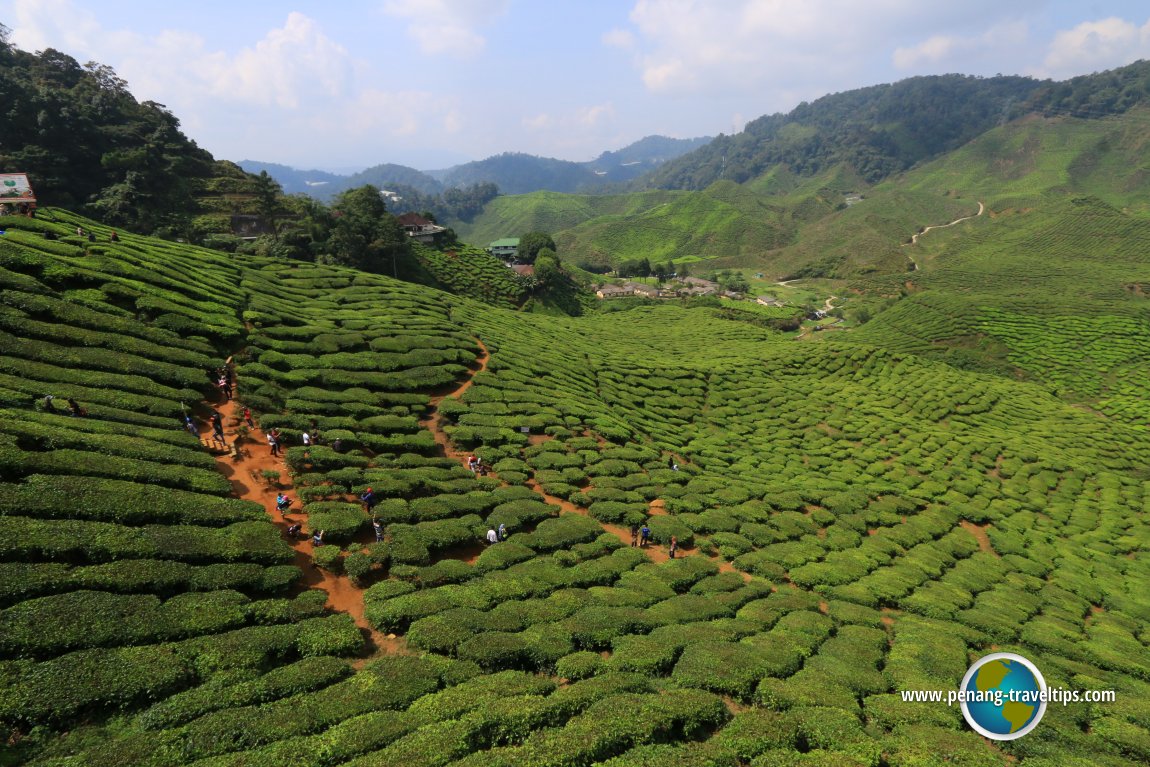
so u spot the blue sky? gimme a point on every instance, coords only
(429, 83)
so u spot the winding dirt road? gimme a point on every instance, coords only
(248, 483)
(914, 238)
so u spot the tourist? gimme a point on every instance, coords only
(502, 531)
(293, 530)
(375, 524)
(472, 463)
(369, 499)
(644, 535)
(317, 539)
(218, 426)
(273, 443)
(634, 535)
(248, 418)
(283, 503)
(190, 425)
(674, 546)
(492, 536)
(306, 438)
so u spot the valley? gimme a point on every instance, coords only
(957, 467)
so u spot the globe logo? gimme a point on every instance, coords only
(1003, 696)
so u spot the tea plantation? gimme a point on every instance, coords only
(856, 517)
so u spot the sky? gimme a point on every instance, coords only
(430, 83)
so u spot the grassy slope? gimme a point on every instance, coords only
(846, 468)
(777, 223)
(781, 224)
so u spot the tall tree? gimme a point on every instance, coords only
(364, 234)
(268, 195)
(532, 243)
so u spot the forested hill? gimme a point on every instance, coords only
(519, 173)
(885, 129)
(87, 143)
(878, 130)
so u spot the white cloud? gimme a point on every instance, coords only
(447, 26)
(957, 52)
(619, 38)
(595, 115)
(1096, 45)
(815, 46)
(288, 62)
(53, 24)
(538, 122)
(293, 92)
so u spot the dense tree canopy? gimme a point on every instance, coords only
(532, 244)
(878, 131)
(85, 141)
(363, 234)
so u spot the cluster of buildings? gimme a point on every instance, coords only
(680, 287)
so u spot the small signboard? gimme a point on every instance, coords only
(14, 187)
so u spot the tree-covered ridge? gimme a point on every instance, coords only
(878, 130)
(86, 142)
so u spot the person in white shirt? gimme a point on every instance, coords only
(306, 439)
(492, 536)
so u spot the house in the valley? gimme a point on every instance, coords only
(768, 301)
(613, 291)
(506, 248)
(698, 282)
(419, 228)
(639, 289)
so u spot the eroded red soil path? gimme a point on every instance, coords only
(245, 470)
(434, 423)
(248, 482)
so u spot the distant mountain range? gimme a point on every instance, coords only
(512, 172)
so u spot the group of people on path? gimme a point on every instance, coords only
(641, 537)
(476, 465)
(48, 404)
(495, 535)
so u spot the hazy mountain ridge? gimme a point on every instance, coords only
(512, 172)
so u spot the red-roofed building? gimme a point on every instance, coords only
(419, 228)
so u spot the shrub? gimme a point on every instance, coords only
(724, 667)
(358, 566)
(561, 532)
(332, 635)
(328, 557)
(339, 521)
(502, 555)
(496, 651)
(579, 665)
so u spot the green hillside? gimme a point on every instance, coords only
(789, 225)
(780, 223)
(855, 517)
